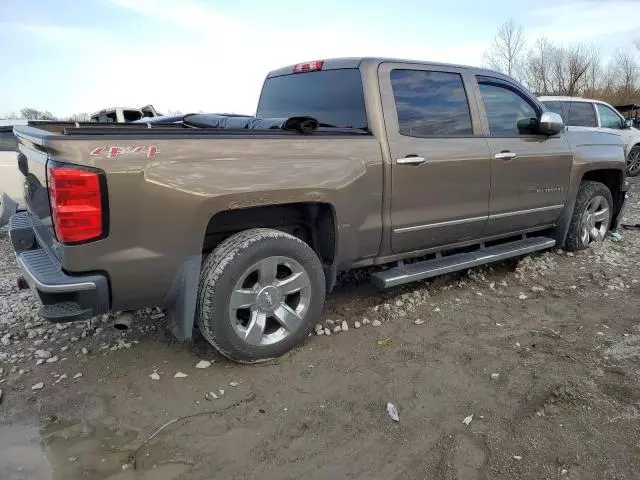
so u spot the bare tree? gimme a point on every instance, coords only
(34, 114)
(506, 52)
(79, 117)
(627, 70)
(537, 66)
(569, 67)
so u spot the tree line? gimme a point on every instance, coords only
(578, 69)
(35, 114)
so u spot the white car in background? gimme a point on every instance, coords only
(582, 113)
(11, 184)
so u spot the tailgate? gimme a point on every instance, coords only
(32, 163)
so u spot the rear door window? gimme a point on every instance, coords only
(333, 97)
(430, 103)
(581, 114)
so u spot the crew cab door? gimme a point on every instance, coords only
(529, 171)
(439, 159)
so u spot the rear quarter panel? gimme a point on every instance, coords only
(159, 208)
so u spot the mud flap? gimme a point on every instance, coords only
(182, 297)
(562, 228)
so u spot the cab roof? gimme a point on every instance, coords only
(357, 62)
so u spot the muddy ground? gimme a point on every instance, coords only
(543, 353)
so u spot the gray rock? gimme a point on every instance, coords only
(327, 331)
(344, 326)
(337, 329)
(356, 324)
(376, 323)
(203, 364)
(37, 386)
(85, 351)
(418, 321)
(52, 360)
(6, 339)
(43, 354)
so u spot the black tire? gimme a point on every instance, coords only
(633, 162)
(588, 191)
(226, 265)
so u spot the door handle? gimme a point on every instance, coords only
(410, 160)
(505, 155)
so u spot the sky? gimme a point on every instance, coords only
(70, 56)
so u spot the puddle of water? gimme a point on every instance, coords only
(79, 451)
(21, 457)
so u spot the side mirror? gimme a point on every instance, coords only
(550, 123)
(628, 123)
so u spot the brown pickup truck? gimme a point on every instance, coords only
(242, 226)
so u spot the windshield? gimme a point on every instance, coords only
(333, 97)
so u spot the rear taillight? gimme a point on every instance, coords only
(308, 66)
(76, 203)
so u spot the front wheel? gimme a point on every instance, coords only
(633, 162)
(591, 216)
(260, 293)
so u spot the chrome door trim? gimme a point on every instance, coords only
(439, 224)
(476, 219)
(524, 212)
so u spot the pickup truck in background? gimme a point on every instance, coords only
(124, 114)
(242, 225)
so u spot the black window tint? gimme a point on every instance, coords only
(609, 118)
(581, 114)
(8, 141)
(333, 97)
(430, 104)
(131, 115)
(508, 112)
(555, 107)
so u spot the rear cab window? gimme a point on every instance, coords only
(333, 97)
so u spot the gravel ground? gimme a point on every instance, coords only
(526, 369)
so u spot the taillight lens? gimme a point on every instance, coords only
(76, 204)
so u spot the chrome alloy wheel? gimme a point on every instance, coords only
(633, 162)
(270, 300)
(595, 220)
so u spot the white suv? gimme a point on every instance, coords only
(588, 114)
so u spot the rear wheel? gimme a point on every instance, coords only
(261, 291)
(591, 216)
(633, 162)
